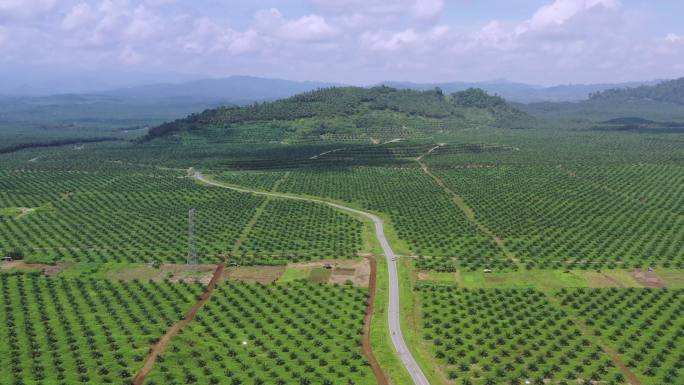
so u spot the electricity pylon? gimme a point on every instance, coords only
(192, 249)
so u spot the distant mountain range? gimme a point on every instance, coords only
(232, 90)
(147, 104)
(246, 89)
(152, 104)
(42, 81)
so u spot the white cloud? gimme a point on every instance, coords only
(80, 15)
(308, 28)
(364, 6)
(111, 23)
(389, 42)
(427, 9)
(495, 35)
(244, 42)
(560, 11)
(674, 38)
(355, 40)
(420, 9)
(409, 38)
(143, 24)
(268, 19)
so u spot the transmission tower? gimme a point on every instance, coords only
(192, 250)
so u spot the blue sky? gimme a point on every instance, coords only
(351, 41)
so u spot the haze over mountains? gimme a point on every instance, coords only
(153, 104)
(245, 89)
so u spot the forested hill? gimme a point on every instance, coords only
(363, 108)
(671, 91)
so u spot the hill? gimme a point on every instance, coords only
(353, 111)
(639, 125)
(141, 106)
(671, 91)
(661, 102)
(521, 92)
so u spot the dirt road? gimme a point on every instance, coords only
(160, 346)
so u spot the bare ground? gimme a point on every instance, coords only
(358, 272)
(47, 269)
(24, 211)
(595, 279)
(252, 274)
(366, 339)
(648, 279)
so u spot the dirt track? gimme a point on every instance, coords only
(365, 341)
(631, 377)
(587, 331)
(160, 346)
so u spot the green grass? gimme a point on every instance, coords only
(320, 275)
(411, 322)
(380, 338)
(294, 273)
(438, 277)
(9, 211)
(673, 278)
(609, 278)
(522, 279)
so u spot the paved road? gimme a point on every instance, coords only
(393, 310)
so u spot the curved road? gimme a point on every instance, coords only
(393, 310)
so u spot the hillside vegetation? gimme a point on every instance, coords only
(352, 110)
(660, 102)
(671, 91)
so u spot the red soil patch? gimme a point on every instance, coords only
(648, 279)
(631, 377)
(365, 341)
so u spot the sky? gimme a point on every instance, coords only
(359, 42)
